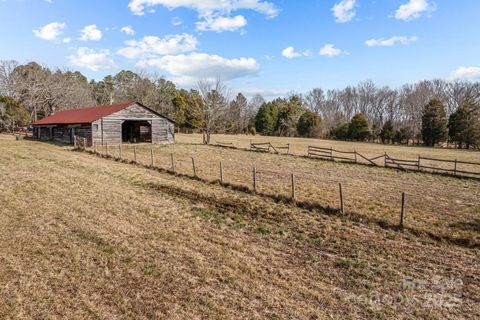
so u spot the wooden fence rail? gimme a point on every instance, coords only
(225, 144)
(395, 163)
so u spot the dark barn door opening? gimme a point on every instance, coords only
(136, 131)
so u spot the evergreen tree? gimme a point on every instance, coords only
(358, 128)
(12, 114)
(289, 112)
(388, 133)
(189, 109)
(308, 123)
(266, 118)
(464, 124)
(340, 132)
(402, 135)
(434, 123)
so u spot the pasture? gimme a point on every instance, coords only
(83, 236)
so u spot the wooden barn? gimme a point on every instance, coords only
(110, 124)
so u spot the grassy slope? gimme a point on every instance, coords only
(83, 237)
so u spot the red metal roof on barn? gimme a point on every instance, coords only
(86, 115)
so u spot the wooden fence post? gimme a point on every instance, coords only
(402, 212)
(294, 195)
(254, 179)
(455, 169)
(418, 163)
(152, 159)
(221, 172)
(194, 168)
(173, 162)
(331, 154)
(385, 160)
(135, 154)
(288, 150)
(342, 208)
(355, 152)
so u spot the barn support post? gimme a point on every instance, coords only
(120, 151)
(94, 147)
(74, 142)
(106, 149)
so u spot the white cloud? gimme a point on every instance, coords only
(290, 53)
(128, 30)
(188, 69)
(329, 50)
(465, 73)
(151, 45)
(176, 21)
(90, 32)
(219, 24)
(390, 41)
(51, 31)
(208, 7)
(344, 11)
(67, 40)
(413, 9)
(91, 59)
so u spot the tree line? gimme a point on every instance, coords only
(428, 112)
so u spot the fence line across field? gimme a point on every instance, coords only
(331, 154)
(174, 161)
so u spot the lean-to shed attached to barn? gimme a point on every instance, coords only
(110, 124)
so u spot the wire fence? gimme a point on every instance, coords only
(320, 190)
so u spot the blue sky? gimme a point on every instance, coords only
(269, 47)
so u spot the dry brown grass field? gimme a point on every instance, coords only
(83, 236)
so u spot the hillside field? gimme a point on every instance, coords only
(83, 236)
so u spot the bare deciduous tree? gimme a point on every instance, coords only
(215, 101)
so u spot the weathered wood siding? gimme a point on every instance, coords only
(109, 129)
(84, 131)
(62, 133)
(44, 133)
(162, 131)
